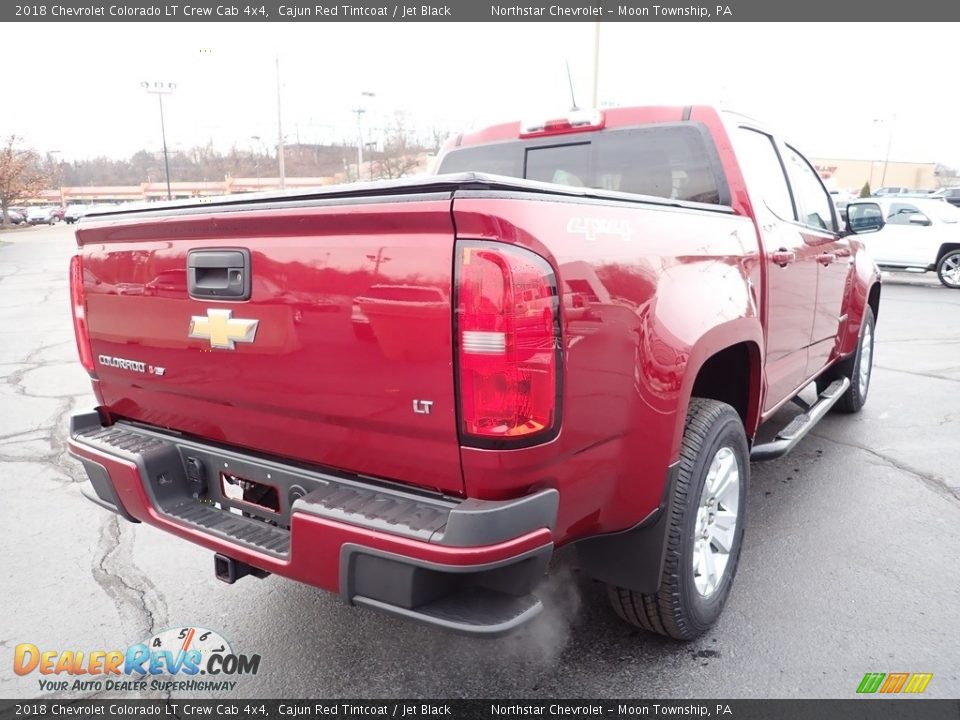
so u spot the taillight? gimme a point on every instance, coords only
(509, 349)
(79, 305)
(575, 121)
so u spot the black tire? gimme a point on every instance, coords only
(679, 610)
(949, 264)
(853, 400)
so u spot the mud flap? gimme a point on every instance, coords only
(632, 559)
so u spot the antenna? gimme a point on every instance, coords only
(573, 99)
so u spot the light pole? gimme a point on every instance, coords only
(371, 146)
(53, 155)
(257, 157)
(886, 159)
(378, 260)
(360, 110)
(160, 89)
(596, 66)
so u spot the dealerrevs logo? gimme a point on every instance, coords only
(187, 659)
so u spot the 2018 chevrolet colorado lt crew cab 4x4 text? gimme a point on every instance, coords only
(570, 335)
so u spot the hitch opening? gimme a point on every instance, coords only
(229, 570)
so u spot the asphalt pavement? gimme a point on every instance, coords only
(851, 562)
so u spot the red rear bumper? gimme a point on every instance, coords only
(394, 573)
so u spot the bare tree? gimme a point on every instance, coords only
(401, 151)
(436, 137)
(21, 175)
(946, 176)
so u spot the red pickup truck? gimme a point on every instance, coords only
(410, 393)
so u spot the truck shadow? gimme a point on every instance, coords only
(359, 653)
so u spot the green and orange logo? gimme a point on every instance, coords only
(894, 683)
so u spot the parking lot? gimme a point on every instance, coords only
(850, 563)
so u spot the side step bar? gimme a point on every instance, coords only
(793, 433)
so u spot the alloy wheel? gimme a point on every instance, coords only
(716, 523)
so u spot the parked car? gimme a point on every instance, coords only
(431, 472)
(842, 198)
(951, 195)
(74, 212)
(41, 216)
(919, 235)
(15, 216)
(890, 191)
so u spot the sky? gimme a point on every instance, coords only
(833, 90)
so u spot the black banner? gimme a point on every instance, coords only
(477, 10)
(856, 709)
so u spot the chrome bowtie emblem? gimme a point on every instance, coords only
(222, 330)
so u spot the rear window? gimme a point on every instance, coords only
(675, 161)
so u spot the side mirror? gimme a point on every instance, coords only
(919, 219)
(864, 217)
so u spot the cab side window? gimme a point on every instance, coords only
(764, 172)
(816, 207)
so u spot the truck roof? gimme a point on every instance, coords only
(610, 118)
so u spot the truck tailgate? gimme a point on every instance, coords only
(340, 357)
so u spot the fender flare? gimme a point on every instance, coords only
(864, 278)
(718, 338)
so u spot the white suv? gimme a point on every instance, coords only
(918, 235)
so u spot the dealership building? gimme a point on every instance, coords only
(852, 174)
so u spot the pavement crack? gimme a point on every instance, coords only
(135, 597)
(934, 482)
(918, 374)
(61, 451)
(22, 436)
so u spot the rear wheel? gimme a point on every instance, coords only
(948, 269)
(705, 529)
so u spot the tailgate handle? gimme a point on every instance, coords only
(221, 274)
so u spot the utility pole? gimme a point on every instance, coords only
(160, 89)
(283, 176)
(596, 64)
